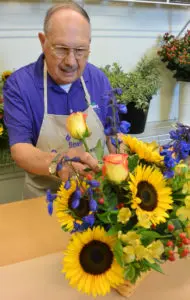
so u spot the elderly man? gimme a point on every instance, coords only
(40, 96)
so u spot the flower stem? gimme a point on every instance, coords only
(85, 145)
(115, 127)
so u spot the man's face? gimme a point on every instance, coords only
(66, 45)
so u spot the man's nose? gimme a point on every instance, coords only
(70, 59)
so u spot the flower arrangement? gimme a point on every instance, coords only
(127, 219)
(175, 52)
(3, 130)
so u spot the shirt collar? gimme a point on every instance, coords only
(38, 74)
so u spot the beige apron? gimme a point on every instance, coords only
(53, 135)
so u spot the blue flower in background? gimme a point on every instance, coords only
(177, 149)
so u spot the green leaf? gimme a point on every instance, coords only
(154, 266)
(105, 217)
(109, 217)
(114, 229)
(130, 273)
(99, 150)
(132, 162)
(176, 223)
(118, 252)
(148, 237)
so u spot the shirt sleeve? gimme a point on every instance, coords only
(16, 116)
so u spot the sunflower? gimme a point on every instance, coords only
(5, 75)
(151, 198)
(66, 215)
(1, 129)
(146, 151)
(89, 262)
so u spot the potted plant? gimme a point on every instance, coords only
(138, 87)
(175, 53)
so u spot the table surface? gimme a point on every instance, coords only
(31, 261)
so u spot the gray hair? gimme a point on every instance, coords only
(65, 5)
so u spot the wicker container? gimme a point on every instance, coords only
(127, 289)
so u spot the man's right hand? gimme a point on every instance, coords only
(86, 161)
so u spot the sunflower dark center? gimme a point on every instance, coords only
(83, 209)
(148, 195)
(96, 258)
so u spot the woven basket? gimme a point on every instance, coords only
(127, 289)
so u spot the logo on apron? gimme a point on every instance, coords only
(71, 142)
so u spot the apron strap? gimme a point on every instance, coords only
(45, 88)
(87, 95)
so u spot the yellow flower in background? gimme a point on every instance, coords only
(156, 249)
(116, 167)
(144, 220)
(146, 151)
(129, 254)
(141, 252)
(1, 129)
(151, 198)
(184, 212)
(181, 169)
(63, 206)
(187, 229)
(131, 238)
(5, 75)
(124, 215)
(76, 126)
(89, 263)
(186, 186)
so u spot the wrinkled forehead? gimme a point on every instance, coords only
(69, 28)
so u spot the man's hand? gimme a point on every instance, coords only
(86, 161)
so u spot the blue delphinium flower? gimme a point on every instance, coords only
(93, 183)
(113, 125)
(177, 149)
(50, 198)
(76, 196)
(93, 205)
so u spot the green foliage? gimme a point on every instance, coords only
(148, 236)
(99, 150)
(118, 252)
(133, 162)
(139, 85)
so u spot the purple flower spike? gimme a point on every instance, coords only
(93, 205)
(93, 183)
(122, 108)
(75, 159)
(67, 185)
(59, 167)
(50, 197)
(75, 203)
(90, 219)
(124, 126)
(77, 194)
(50, 208)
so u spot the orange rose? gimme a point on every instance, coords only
(116, 167)
(77, 127)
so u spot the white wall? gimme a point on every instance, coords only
(119, 33)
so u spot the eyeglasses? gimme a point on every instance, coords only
(62, 52)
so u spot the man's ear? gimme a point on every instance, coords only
(42, 39)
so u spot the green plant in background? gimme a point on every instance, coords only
(5, 155)
(175, 52)
(139, 85)
(3, 130)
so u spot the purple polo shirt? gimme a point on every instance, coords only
(24, 99)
